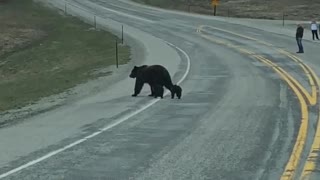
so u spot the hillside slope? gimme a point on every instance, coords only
(266, 9)
(43, 53)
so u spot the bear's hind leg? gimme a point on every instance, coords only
(152, 90)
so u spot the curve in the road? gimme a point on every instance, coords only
(295, 157)
(108, 127)
(312, 98)
(204, 155)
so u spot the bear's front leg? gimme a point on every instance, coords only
(137, 88)
(172, 93)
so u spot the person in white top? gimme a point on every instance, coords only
(314, 29)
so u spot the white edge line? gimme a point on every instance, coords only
(188, 62)
(31, 163)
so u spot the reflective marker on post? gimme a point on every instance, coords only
(214, 3)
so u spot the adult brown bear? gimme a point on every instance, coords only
(153, 75)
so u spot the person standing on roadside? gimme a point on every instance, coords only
(299, 36)
(314, 30)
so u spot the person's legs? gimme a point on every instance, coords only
(302, 50)
(316, 32)
(299, 42)
(313, 34)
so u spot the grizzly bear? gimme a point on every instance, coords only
(153, 75)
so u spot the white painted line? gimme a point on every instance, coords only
(125, 118)
(188, 62)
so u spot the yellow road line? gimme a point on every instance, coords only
(306, 68)
(310, 164)
(312, 77)
(312, 99)
(290, 169)
(246, 51)
(240, 35)
(308, 71)
(295, 156)
(311, 81)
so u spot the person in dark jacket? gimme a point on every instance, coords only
(299, 36)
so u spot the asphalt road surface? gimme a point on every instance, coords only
(249, 108)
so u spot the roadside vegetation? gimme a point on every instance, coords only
(44, 53)
(271, 9)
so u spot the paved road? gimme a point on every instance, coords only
(239, 118)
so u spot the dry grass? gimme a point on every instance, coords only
(266, 9)
(43, 53)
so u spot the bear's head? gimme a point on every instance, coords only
(177, 90)
(136, 70)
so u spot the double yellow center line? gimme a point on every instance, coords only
(301, 92)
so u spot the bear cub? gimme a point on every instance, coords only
(177, 90)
